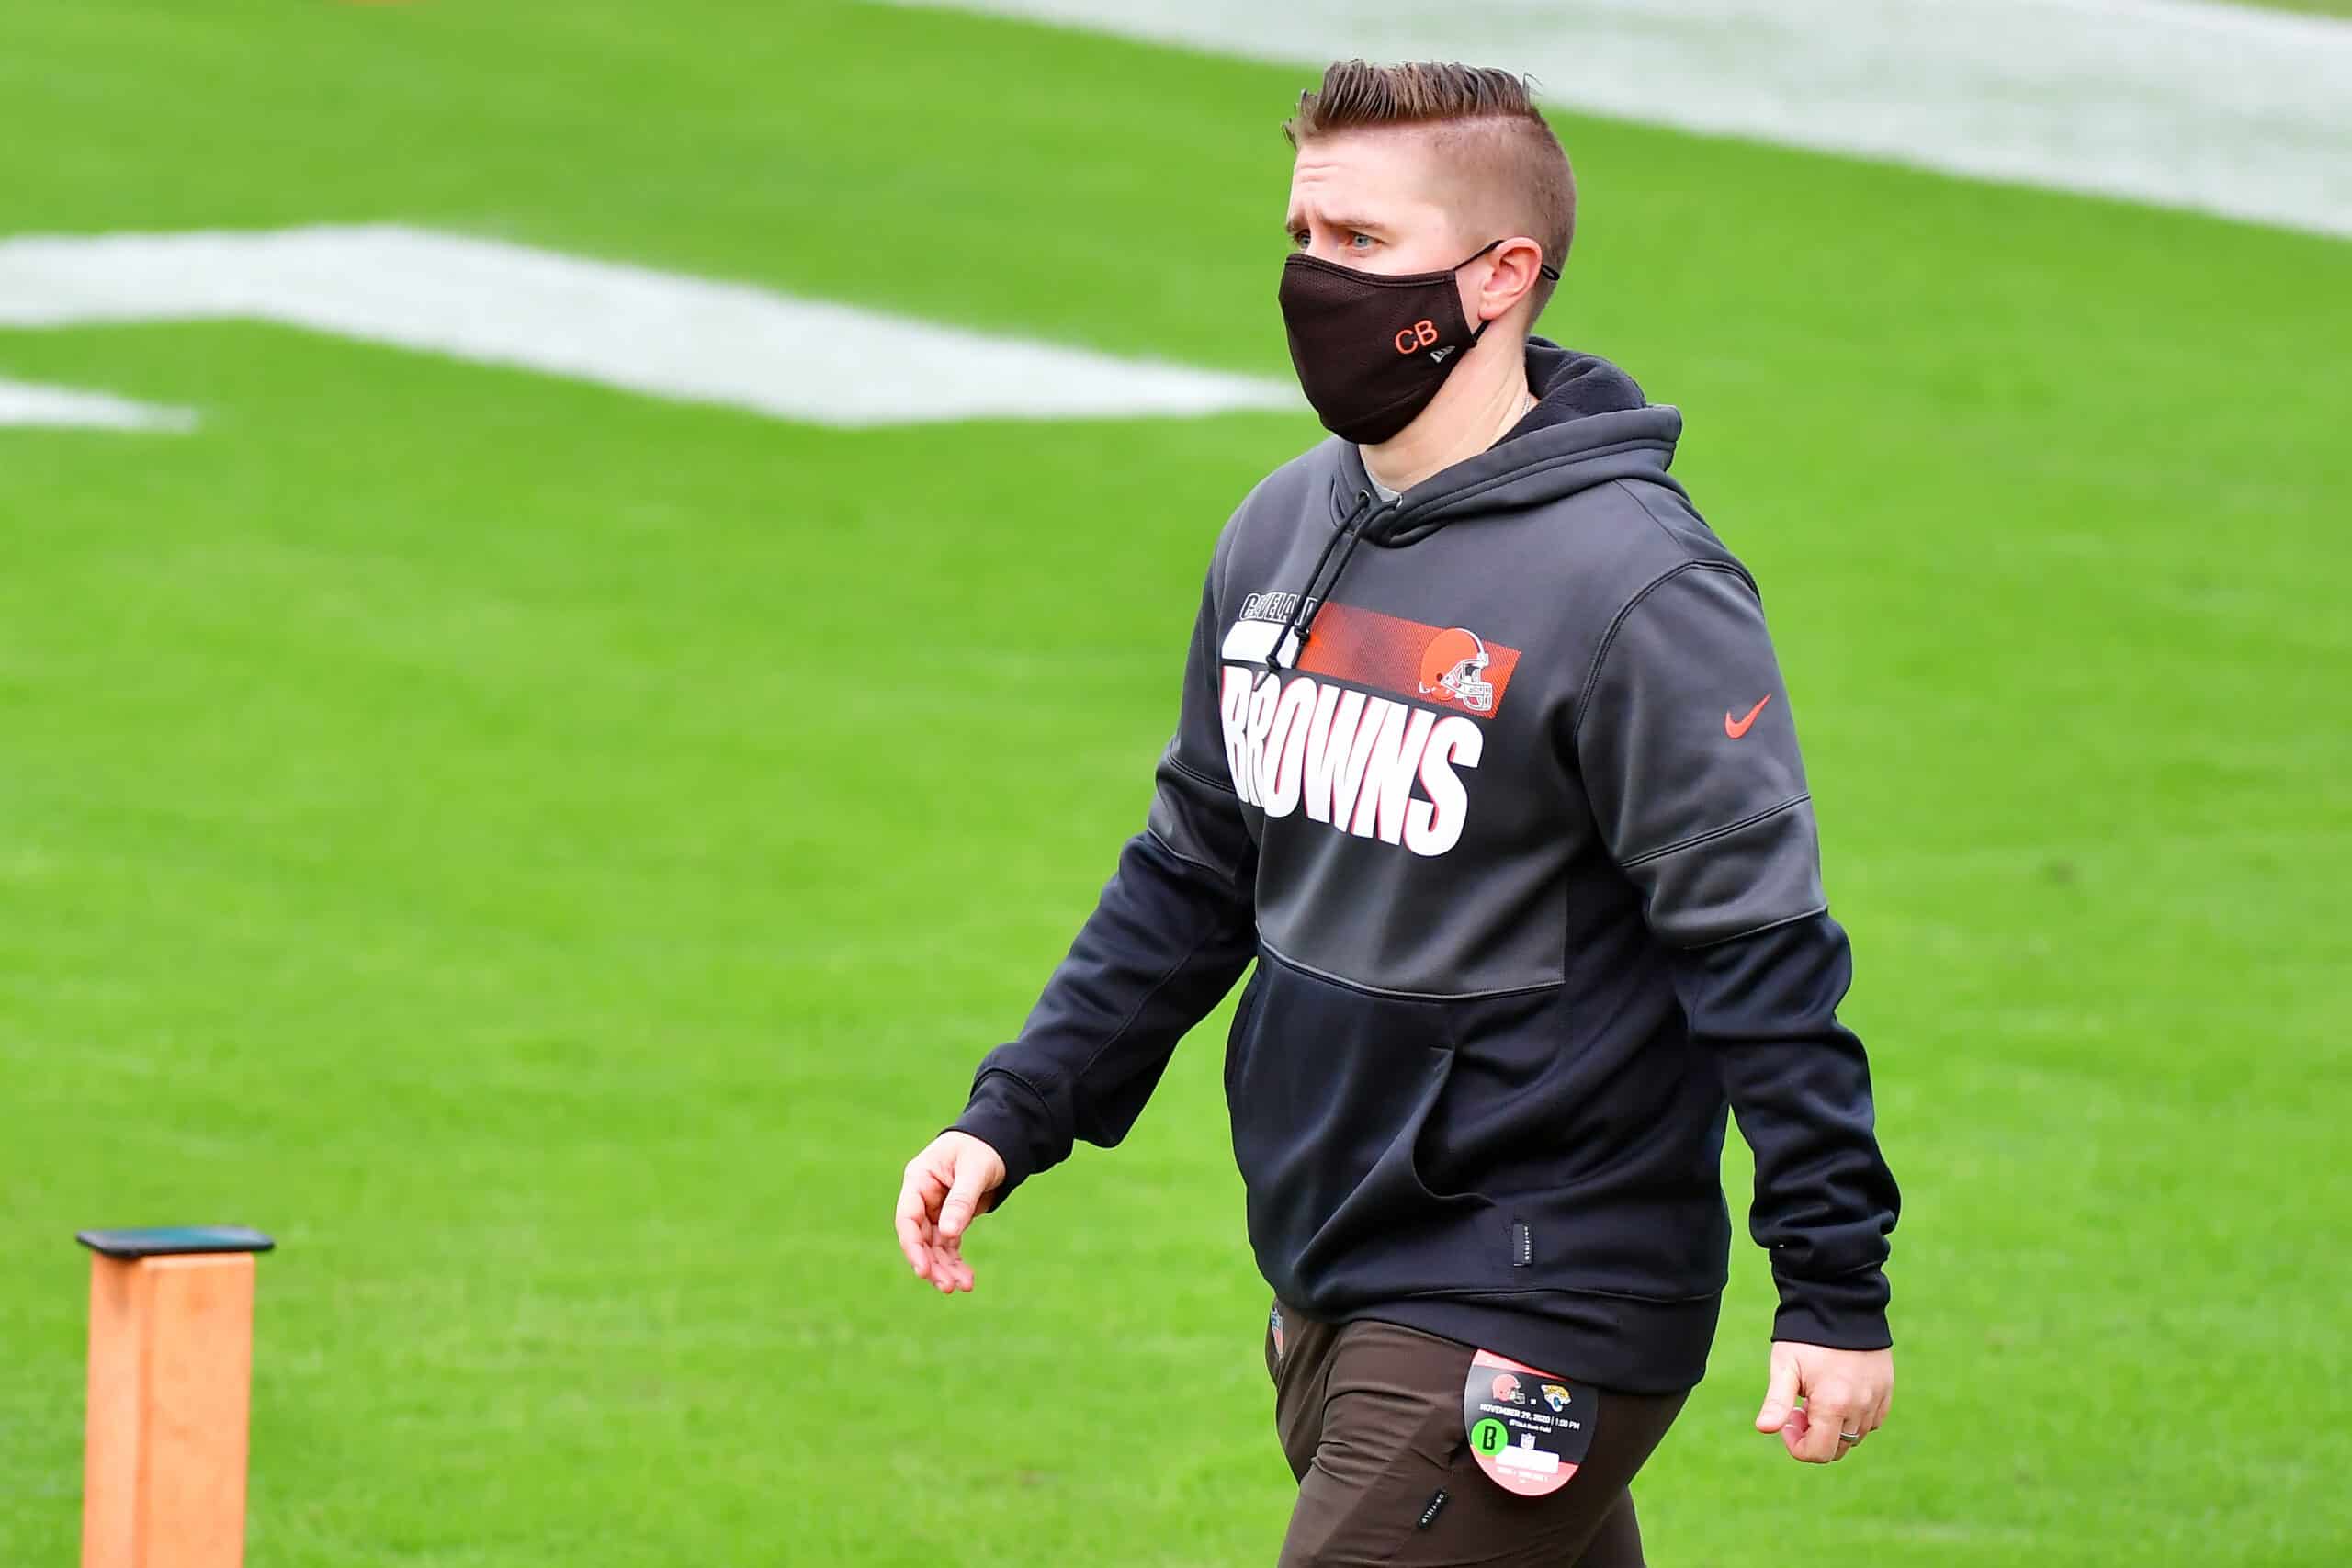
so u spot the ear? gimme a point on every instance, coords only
(1518, 263)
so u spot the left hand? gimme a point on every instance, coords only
(1844, 1390)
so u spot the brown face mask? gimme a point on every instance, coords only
(1371, 350)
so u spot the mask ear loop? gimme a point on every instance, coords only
(1542, 269)
(1473, 256)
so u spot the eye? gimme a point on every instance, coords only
(1359, 241)
(1298, 239)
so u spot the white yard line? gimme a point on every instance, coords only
(25, 402)
(2216, 108)
(663, 333)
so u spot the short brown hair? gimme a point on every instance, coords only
(1486, 119)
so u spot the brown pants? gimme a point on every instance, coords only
(1370, 1416)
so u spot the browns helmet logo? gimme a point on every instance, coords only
(1506, 1389)
(1453, 667)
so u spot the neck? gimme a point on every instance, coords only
(1475, 408)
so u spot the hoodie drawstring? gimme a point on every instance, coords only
(1301, 619)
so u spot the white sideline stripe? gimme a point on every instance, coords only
(664, 334)
(2211, 107)
(28, 403)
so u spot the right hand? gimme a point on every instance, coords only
(945, 1187)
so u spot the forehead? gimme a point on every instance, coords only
(1390, 173)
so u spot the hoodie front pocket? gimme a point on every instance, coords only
(1237, 1038)
(1330, 1088)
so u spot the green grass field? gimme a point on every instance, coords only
(550, 855)
(2316, 7)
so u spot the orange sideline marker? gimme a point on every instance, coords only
(171, 1370)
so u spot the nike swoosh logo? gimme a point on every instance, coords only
(1741, 728)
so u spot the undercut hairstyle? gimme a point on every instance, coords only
(1505, 168)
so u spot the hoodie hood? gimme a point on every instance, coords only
(1591, 426)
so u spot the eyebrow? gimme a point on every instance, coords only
(1292, 225)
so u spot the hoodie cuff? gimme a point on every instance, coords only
(1006, 1114)
(1845, 1314)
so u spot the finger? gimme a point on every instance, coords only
(914, 1229)
(1821, 1442)
(1828, 1414)
(942, 1265)
(1780, 1394)
(1792, 1433)
(948, 1272)
(964, 1199)
(1869, 1411)
(921, 1197)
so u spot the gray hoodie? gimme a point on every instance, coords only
(1498, 784)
